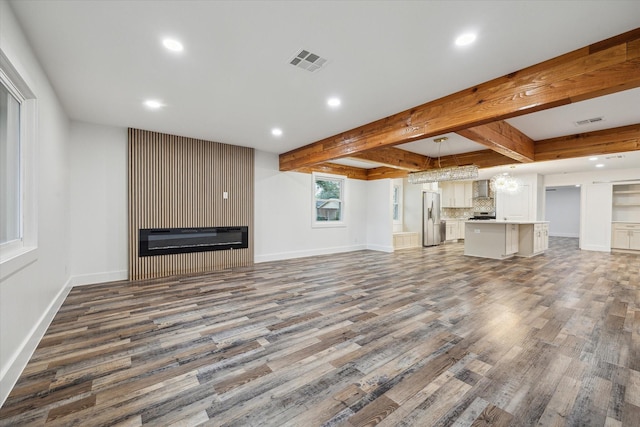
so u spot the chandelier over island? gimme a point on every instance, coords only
(453, 173)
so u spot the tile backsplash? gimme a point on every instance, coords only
(479, 205)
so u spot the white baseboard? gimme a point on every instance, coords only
(307, 253)
(12, 371)
(380, 248)
(596, 248)
(107, 276)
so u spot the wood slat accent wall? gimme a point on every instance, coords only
(179, 182)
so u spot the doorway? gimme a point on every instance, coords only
(562, 210)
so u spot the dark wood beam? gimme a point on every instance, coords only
(395, 158)
(609, 66)
(503, 138)
(608, 141)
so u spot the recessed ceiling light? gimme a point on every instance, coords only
(153, 104)
(276, 131)
(577, 185)
(465, 39)
(173, 45)
(593, 159)
(600, 165)
(333, 102)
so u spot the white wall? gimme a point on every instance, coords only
(379, 217)
(98, 203)
(31, 295)
(563, 211)
(595, 202)
(283, 215)
(413, 208)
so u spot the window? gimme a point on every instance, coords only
(11, 209)
(396, 203)
(17, 174)
(328, 200)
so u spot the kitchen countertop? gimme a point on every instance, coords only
(496, 221)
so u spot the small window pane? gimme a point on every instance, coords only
(10, 167)
(328, 199)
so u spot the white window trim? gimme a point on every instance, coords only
(328, 224)
(400, 203)
(17, 254)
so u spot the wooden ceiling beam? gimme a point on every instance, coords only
(482, 159)
(609, 66)
(395, 158)
(336, 169)
(503, 138)
(608, 141)
(385, 172)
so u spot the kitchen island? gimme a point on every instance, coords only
(505, 239)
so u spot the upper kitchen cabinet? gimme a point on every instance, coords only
(457, 194)
(525, 204)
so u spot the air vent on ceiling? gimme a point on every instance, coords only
(307, 61)
(615, 156)
(589, 121)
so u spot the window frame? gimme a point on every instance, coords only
(318, 176)
(397, 190)
(16, 254)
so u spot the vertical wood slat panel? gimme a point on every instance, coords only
(178, 182)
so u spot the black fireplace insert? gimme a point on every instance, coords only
(165, 241)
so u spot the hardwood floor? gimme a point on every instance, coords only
(420, 337)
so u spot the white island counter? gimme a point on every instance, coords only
(505, 239)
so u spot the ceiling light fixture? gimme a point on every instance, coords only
(593, 158)
(153, 104)
(600, 165)
(465, 39)
(173, 45)
(504, 183)
(276, 132)
(333, 102)
(452, 173)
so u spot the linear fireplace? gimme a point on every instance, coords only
(165, 241)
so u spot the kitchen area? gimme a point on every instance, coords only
(490, 221)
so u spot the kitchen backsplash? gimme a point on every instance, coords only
(454, 213)
(479, 205)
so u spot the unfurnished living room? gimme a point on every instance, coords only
(319, 213)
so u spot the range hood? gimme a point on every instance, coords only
(483, 189)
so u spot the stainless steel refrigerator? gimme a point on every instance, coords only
(433, 229)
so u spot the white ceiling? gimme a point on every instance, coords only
(233, 82)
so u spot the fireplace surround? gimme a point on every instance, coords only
(166, 241)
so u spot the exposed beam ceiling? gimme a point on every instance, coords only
(608, 141)
(602, 68)
(503, 138)
(396, 158)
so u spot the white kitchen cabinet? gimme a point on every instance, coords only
(533, 239)
(461, 229)
(453, 229)
(457, 194)
(511, 238)
(491, 239)
(626, 236)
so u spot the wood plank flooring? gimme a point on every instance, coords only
(420, 337)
